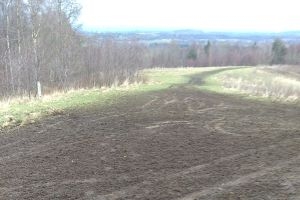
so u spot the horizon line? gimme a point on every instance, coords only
(140, 29)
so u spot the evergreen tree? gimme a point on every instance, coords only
(279, 52)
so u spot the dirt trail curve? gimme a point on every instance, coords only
(175, 144)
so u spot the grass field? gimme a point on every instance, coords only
(23, 110)
(261, 83)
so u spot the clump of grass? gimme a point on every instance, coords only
(261, 82)
(290, 70)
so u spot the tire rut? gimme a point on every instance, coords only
(175, 144)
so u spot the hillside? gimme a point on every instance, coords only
(165, 140)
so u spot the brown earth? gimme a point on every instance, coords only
(175, 144)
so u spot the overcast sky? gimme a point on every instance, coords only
(209, 15)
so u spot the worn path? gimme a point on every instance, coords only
(175, 144)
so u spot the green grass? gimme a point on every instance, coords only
(161, 78)
(23, 111)
(228, 80)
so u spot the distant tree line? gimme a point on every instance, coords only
(204, 54)
(40, 42)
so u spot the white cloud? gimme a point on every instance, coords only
(243, 15)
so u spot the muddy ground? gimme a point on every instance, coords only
(179, 143)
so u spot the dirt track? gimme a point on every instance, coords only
(175, 144)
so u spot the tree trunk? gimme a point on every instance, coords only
(9, 69)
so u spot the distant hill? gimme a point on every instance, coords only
(190, 36)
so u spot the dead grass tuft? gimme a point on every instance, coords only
(262, 82)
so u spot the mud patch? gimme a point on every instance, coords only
(176, 144)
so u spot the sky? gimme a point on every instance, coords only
(206, 15)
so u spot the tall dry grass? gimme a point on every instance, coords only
(265, 82)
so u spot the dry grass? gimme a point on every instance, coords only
(259, 81)
(22, 110)
(262, 81)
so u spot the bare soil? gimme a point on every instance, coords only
(175, 144)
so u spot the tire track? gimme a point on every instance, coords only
(48, 128)
(167, 123)
(217, 125)
(149, 103)
(242, 180)
(131, 189)
(26, 151)
(41, 149)
(158, 167)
